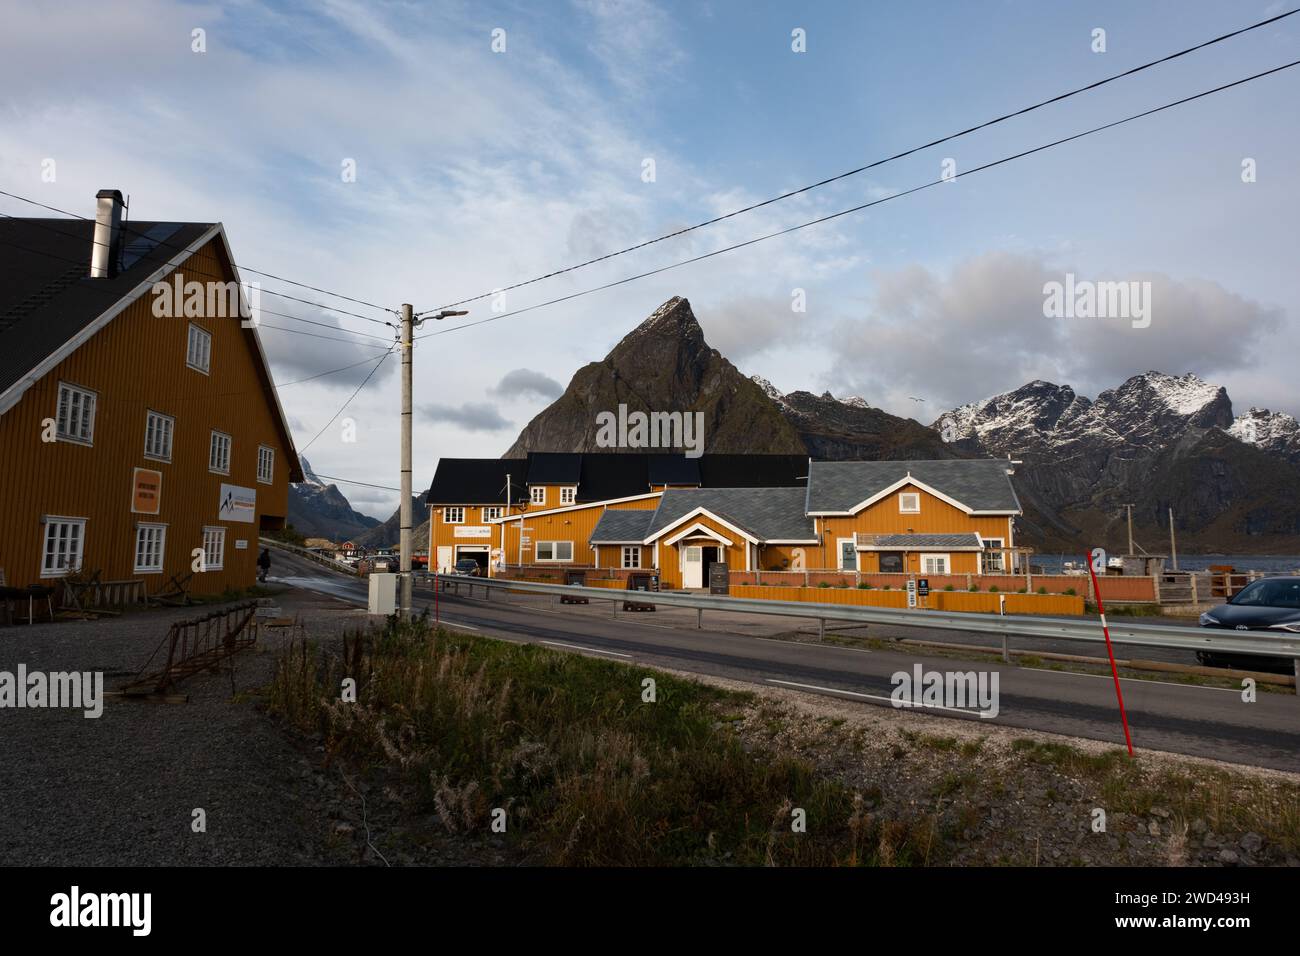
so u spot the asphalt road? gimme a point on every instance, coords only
(1189, 719)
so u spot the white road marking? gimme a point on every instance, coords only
(889, 700)
(579, 647)
(1139, 680)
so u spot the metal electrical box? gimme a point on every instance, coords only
(383, 593)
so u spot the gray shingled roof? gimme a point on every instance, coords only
(917, 542)
(981, 484)
(768, 514)
(618, 525)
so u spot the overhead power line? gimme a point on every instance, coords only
(363, 384)
(115, 294)
(349, 481)
(182, 249)
(872, 165)
(867, 205)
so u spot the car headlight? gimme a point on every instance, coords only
(1292, 626)
(1207, 619)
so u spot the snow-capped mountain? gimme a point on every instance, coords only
(1148, 411)
(1157, 441)
(318, 509)
(1275, 432)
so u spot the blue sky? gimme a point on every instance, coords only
(477, 169)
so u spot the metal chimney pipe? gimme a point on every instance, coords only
(106, 251)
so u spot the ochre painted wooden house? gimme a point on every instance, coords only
(139, 438)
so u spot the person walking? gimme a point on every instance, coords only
(263, 564)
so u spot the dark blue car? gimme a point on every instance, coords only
(1271, 605)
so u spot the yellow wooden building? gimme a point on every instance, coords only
(919, 517)
(139, 439)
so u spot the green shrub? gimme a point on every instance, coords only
(949, 588)
(993, 589)
(1070, 591)
(1042, 590)
(824, 584)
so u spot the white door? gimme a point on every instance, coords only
(444, 559)
(692, 567)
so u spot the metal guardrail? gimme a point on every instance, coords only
(1062, 628)
(310, 555)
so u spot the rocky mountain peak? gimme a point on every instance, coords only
(1275, 432)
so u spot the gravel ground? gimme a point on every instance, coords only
(121, 789)
(999, 805)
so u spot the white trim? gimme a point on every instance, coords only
(15, 392)
(171, 435)
(448, 521)
(793, 541)
(902, 498)
(571, 489)
(697, 529)
(230, 451)
(81, 523)
(920, 549)
(922, 555)
(555, 560)
(260, 479)
(210, 529)
(85, 414)
(839, 553)
(151, 526)
(622, 557)
(579, 507)
(700, 512)
(189, 337)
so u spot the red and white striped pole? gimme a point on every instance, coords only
(1090, 559)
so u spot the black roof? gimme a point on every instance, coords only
(674, 470)
(601, 476)
(610, 475)
(554, 468)
(754, 471)
(477, 481)
(46, 293)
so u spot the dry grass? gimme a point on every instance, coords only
(586, 772)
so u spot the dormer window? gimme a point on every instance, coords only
(568, 495)
(909, 503)
(537, 494)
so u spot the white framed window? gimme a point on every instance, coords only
(198, 350)
(158, 430)
(214, 548)
(75, 418)
(554, 551)
(934, 563)
(62, 549)
(219, 453)
(848, 554)
(265, 464)
(453, 515)
(491, 512)
(909, 502)
(150, 545)
(537, 494)
(568, 495)
(631, 556)
(993, 560)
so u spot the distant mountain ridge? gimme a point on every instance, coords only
(1157, 441)
(320, 510)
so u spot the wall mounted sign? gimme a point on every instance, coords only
(237, 503)
(146, 491)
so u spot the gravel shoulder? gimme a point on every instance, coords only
(122, 789)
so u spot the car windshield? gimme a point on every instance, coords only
(1283, 592)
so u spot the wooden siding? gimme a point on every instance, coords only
(670, 572)
(135, 364)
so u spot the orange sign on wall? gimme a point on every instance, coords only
(146, 491)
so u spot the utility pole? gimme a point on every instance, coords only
(409, 324)
(1173, 547)
(1130, 528)
(404, 601)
